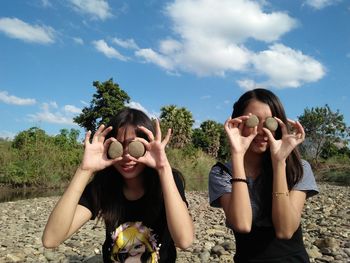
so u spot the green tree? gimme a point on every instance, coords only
(322, 127)
(67, 138)
(107, 101)
(180, 120)
(208, 137)
(32, 136)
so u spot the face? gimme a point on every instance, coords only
(126, 167)
(262, 111)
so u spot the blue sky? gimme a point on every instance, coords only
(197, 54)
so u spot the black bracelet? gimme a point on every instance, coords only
(234, 180)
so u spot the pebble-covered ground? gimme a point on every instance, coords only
(326, 223)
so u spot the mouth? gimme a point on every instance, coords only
(128, 167)
(262, 140)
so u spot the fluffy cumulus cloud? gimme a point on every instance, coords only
(107, 50)
(51, 113)
(18, 29)
(96, 8)
(210, 38)
(138, 106)
(286, 67)
(10, 99)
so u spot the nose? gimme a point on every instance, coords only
(260, 128)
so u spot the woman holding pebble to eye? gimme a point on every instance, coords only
(263, 188)
(125, 179)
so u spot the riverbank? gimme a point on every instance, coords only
(326, 223)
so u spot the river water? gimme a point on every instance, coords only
(9, 194)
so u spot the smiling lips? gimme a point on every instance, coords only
(128, 167)
(261, 140)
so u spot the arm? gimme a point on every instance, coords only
(178, 218)
(286, 206)
(67, 216)
(236, 205)
(177, 215)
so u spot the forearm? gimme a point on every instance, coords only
(60, 219)
(178, 218)
(240, 210)
(285, 217)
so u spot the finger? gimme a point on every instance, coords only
(269, 134)
(158, 136)
(87, 138)
(167, 137)
(282, 125)
(98, 132)
(109, 141)
(106, 131)
(146, 131)
(301, 131)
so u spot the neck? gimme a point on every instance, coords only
(253, 164)
(133, 189)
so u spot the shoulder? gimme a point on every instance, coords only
(307, 183)
(219, 182)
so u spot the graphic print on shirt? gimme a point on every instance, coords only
(134, 242)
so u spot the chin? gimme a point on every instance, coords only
(259, 149)
(130, 172)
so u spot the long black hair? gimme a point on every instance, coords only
(107, 184)
(294, 169)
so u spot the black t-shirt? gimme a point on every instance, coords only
(132, 237)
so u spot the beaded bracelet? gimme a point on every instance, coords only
(280, 193)
(235, 180)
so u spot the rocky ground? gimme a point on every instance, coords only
(326, 223)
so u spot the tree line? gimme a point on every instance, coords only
(327, 133)
(35, 158)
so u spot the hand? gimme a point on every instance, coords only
(234, 130)
(95, 153)
(280, 149)
(155, 155)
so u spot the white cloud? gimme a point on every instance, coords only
(249, 84)
(205, 97)
(320, 4)
(10, 99)
(286, 67)
(84, 103)
(150, 56)
(127, 43)
(97, 8)
(7, 135)
(18, 29)
(108, 51)
(209, 38)
(137, 105)
(50, 113)
(231, 20)
(72, 109)
(78, 40)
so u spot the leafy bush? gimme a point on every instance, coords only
(194, 164)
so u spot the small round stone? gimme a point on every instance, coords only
(136, 149)
(252, 121)
(271, 124)
(115, 150)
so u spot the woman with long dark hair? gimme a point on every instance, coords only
(140, 199)
(262, 190)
